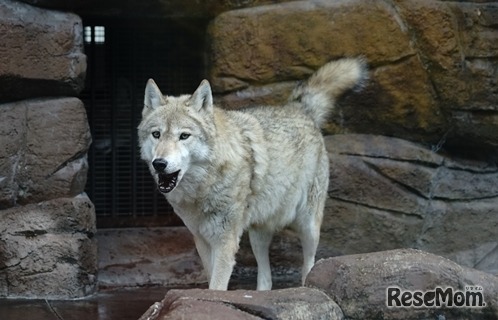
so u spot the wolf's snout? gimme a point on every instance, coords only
(159, 164)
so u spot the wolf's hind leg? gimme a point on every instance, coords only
(308, 224)
(310, 214)
(309, 236)
(260, 244)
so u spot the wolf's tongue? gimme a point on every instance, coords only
(167, 182)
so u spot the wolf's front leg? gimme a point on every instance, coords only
(223, 259)
(204, 250)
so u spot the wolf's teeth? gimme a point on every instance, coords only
(167, 182)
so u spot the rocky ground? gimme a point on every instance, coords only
(346, 287)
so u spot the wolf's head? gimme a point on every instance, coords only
(174, 133)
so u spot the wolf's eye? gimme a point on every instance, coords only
(184, 136)
(156, 134)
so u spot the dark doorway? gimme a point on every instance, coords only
(122, 55)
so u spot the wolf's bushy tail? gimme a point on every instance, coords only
(318, 94)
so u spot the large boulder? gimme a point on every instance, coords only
(43, 155)
(48, 249)
(41, 52)
(287, 41)
(285, 304)
(387, 193)
(359, 284)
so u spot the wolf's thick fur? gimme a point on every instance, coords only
(259, 169)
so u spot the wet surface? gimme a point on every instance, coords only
(124, 303)
(107, 304)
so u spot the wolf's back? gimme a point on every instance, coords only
(318, 94)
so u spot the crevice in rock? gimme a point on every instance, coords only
(393, 62)
(75, 157)
(460, 200)
(482, 171)
(30, 233)
(495, 249)
(400, 184)
(411, 161)
(260, 312)
(395, 213)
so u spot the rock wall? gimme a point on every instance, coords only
(47, 222)
(387, 193)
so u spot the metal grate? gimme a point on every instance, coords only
(121, 57)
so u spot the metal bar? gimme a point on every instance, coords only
(133, 131)
(92, 116)
(114, 112)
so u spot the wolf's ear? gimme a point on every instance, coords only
(202, 98)
(153, 97)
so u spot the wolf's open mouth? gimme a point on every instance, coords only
(167, 182)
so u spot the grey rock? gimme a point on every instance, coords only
(387, 193)
(358, 283)
(48, 249)
(286, 304)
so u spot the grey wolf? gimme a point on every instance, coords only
(259, 169)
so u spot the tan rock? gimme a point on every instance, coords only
(287, 41)
(399, 101)
(458, 44)
(269, 95)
